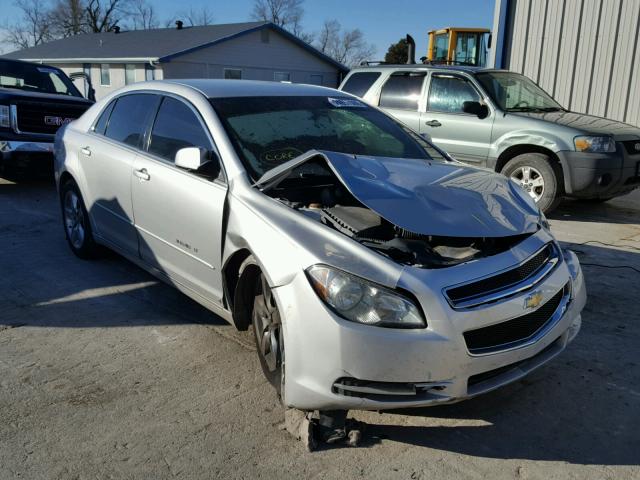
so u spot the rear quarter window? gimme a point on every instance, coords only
(359, 83)
(402, 91)
(130, 118)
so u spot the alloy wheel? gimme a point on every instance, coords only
(74, 219)
(266, 322)
(531, 180)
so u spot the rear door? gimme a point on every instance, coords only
(107, 155)
(463, 135)
(178, 213)
(401, 96)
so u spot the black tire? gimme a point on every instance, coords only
(548, 195)
(75, 221)
(267, 330)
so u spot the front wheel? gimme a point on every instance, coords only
(75, 218)
(268, 333)
(535, 173)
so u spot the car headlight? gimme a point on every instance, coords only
(594, 144)
(5, 120)
(361, 301)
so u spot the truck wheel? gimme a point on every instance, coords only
(77, 227)
(268, 334)
(540, 179)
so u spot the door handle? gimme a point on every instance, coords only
(433, 123)
(86, 151)
(142, 174)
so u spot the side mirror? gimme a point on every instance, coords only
(198, 160)
(191, 158)
(476, 108)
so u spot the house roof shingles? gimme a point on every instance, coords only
(157, 44)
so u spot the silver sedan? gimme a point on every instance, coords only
(376, 271)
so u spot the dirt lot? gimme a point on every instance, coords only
(105, 373)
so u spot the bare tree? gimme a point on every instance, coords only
(346, 46)
(192, 17)
(284, 13)
(103, 15)
(142, 15)
(200, 17)
(68, 17)
(33, 27)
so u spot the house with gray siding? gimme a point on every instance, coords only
(239, 51)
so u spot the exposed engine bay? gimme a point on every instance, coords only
(314, 190)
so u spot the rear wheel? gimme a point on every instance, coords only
(268, 334)
(77, 227)
(540, 179)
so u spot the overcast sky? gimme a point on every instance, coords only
(382, 21)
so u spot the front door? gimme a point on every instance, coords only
(178, 213)
(465, 136)
(107, 157)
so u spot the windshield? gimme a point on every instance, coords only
(516, 93)
(269, 131)
(36, 78)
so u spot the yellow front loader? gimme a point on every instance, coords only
(459, 46)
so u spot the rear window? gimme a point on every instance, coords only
(402, 91)
(360, 83)
(130, 117)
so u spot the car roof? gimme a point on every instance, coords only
(422, 66)
(217, 88)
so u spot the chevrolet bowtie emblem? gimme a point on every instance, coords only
(533, 301)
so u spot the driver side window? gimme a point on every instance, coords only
(177, 126)
(448, 93)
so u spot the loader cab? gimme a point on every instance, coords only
(459, 46)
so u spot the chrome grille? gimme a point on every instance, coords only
(518, 331)
(506, 283)
(31, 116)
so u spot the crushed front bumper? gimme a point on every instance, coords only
(331, 363)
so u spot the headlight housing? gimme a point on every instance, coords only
(361, 301)
(594, 144)
(5, 118)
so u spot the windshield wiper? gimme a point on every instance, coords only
(535, 109)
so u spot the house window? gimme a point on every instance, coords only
(129, 74)
(232, 74)
(316, 79)
(264, 35)
(149, 72)
(105, 75)
(281, 77)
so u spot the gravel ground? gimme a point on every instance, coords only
(106, 373)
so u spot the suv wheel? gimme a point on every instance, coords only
(77, 227)
(535, 173)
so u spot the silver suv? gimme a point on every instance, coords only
(504, 121)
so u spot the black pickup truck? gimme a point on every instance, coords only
(35, 101)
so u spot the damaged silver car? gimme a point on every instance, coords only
(376, 271)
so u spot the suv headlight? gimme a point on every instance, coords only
(361, 301)
(5, 119)
(594, 144)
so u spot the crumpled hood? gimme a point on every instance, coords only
(588, 124)
(430, 198)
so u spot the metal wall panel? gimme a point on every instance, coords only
(583, 52)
